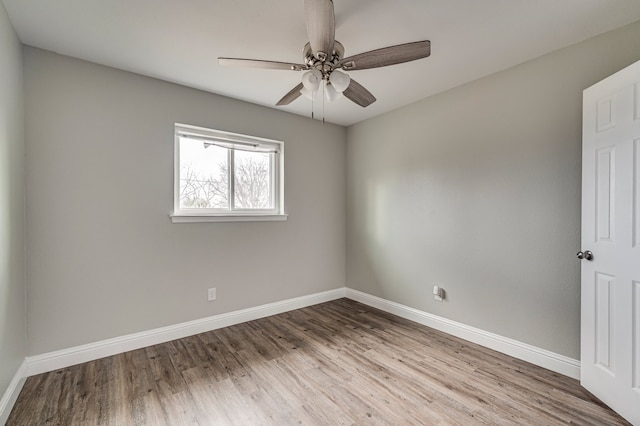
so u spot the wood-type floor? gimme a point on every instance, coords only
(337, 363)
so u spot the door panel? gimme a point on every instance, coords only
(604, 298)
(636, 336)
(636, 189)
(605, 193)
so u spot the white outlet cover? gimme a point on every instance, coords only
(211, 294)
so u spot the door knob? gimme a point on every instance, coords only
(587, 254)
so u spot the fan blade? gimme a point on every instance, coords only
(387, 56)
(321, 27)
(359, 94)
(258, 63)
(291, 96)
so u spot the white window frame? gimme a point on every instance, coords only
(229, 140)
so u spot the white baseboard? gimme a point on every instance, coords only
(67, 357)
(11, 394)
(541, 357)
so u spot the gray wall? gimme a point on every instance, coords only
(12, 257)
(478, 189)
(104, 260)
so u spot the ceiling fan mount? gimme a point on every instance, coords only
(323, 58)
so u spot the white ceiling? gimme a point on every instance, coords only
(180, 40)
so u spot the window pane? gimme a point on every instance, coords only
(253, 183)
(204, 177)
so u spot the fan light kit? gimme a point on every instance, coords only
(324, 59)
(334, 85)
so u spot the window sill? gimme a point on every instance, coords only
(182, 218)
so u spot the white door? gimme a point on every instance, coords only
(610, 336)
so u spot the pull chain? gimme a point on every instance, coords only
(324, 96)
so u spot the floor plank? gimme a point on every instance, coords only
(337, 363)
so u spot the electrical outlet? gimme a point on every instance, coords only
(211, 294)
(438, 293)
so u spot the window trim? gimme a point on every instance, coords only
(230, 215)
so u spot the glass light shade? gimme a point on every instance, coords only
(307, 93)
(311, 79)
(339, 80)
(331, 93)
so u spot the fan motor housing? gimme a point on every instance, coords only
(327, 65)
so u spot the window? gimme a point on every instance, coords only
(221, 176)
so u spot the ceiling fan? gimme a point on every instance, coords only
(324, 57)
